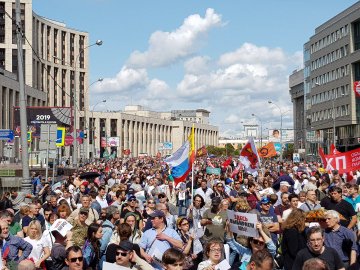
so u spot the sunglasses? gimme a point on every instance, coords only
(257, 242)
(123, 254)
(84, 213)
(132, 200)
(161, 196)
(80, 259)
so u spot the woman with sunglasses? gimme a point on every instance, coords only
(214, 251)
(254, 244)
(91, 248)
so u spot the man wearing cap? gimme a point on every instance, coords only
(126, 256)
(80, 228)
(131, 207)
(219, 191)
(284, 187)
(214, 219)
(155, 241)
(269, 220)
(92, 216)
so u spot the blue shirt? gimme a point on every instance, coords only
(334, 239)
(151, 245)
(352, 201)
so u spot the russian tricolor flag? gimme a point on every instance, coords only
(182, 160)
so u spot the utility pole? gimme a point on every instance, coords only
(26, 182)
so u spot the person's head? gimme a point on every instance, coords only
(34, 209)
(130, 218)
(13, 193)
(224, 205)
(85, 201)
(124, 251)
(64, 211)
(215, 204)
(214, 251)
(83, 214)
(158, 219)
(173, 259)
(258, 243)
(5, 215)
(52, 218)
(102, 191)
(251, 186)
(354, 190)
(285, 198)
(302, 196)
(294, 200)
(26, 265)
(242, 205)
(162, 198)
(295, 220)
(112, 213)
(311, 195)
(261, 260)
(198, 201)
(332, 219)
(124, 231)
(94, 232)
(53, 201)
(203, 184)
(183, 224)
(4, 229)
(82, 188)
(220, 187)
(335, 193)
(150, 203)
(265, 204)
(66, 193)
(132, 201)
(74, 258)
(284, 186)
(24, 210)
(34, 230)
(315, 239)
(315, 263)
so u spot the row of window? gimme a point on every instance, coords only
(329, 39)
(342, 110)
(330, 57)
(331, 76)
(334, 93)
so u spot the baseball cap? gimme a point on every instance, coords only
(131, 197)
(126, 246)
(228, 181)
(157, 213)
(284, 183)
(265, 200)
(84, 209)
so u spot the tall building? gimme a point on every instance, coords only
(331, 67)
(56, 68)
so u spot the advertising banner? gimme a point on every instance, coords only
(343, 162)
(110, 141)
(243, 223)
(286, 134)
(61, 116)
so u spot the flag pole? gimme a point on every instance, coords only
(192, 165)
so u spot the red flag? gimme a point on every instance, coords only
(249, 156)
(333, 150)
(237, 169)
(322, 156)
(201, 151)
(126, 152)
(267, 150)
(227, 162)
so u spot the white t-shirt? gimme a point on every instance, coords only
(38, 248)
(103, 202)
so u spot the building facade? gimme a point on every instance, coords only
(56, 66)
(331, 66)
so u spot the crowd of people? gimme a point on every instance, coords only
(129, 212)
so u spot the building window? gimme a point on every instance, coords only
(356, 28)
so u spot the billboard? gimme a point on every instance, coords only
(110, 141)
(315, 136)
(61, 116)
(286, 135)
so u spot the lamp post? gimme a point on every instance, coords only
(260, 127)
(281, 117)
(75, 144)
(93, 127)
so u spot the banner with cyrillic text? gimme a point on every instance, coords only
(343, 161)
(243, 223)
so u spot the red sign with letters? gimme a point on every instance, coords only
(343, 162)
(357, 88)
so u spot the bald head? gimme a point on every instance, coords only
(26, 265)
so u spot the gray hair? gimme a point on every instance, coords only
(333, 214)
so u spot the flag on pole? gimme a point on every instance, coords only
(201, 151)
(267, 150)
(249, 157)
(226, 162)
(182, 160)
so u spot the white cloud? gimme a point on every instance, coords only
(197, 65)
(166, 48)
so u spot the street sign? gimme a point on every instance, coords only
(296, 157)
(48, 137)
(60, 137)
(6, 134)
(29, 136)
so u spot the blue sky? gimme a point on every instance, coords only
(229, 57)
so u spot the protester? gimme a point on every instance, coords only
(214, 251)
(173, 259)
(74, 258)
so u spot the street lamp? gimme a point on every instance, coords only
(281, 133)
(75, 152)
(260, 127)
(93, 127)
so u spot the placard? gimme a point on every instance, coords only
(243, 223)
(210, 170)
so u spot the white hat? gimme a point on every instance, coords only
(285, 183)
(312, 178)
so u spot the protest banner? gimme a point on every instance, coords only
(215, 171)
(243, 223)
(342, 161)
